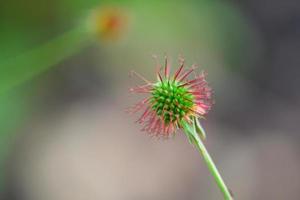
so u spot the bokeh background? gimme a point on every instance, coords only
(64, 133)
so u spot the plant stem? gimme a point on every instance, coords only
(212, 168)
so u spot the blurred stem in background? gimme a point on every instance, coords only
(26, 66)
(103, 23)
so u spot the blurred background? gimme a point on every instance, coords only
(64, 133)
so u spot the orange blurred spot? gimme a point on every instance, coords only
(109, 22)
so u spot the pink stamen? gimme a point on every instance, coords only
(193, 83)
(159, 76)
(199, 85)
(171, 128)
(179, 70)
(158, 65)
(168, 130)
(150, 122)
(200, 110)
(144, 116)
(133, 73)
(154, 128)
(186, 74)
(141, 89)
(138, 106)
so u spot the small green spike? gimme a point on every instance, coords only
(199, 129)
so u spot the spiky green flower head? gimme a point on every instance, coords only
(172, 101)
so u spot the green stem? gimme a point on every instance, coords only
(212, 168)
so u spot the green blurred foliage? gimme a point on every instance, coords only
(21, 26)
(212, 31)
(15, 108)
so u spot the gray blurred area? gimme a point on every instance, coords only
(79, 144)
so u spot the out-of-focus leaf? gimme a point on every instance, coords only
(14, 108)
(25, 66)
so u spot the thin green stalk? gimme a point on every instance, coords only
(193, 133)
(212, 168)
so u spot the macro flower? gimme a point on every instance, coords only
(173, 101)
(177, 102)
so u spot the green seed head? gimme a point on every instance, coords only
(170, 101)
(174, 101)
